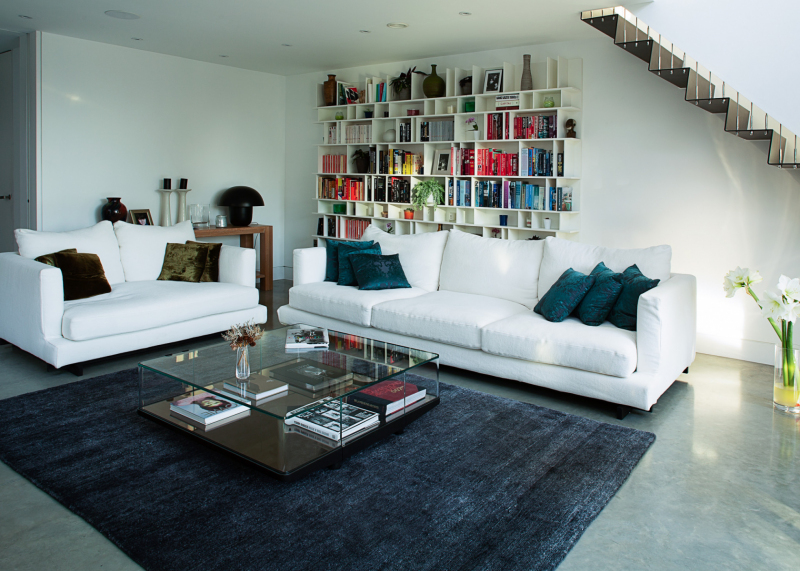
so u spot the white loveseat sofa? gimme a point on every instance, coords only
(139, 311)
(471, 302)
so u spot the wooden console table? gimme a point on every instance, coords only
(246, 235)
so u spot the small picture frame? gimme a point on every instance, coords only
(442, 165)
(141, 217)
(493, 82)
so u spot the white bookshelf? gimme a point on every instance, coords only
(560, 79)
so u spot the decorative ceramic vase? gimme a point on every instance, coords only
(242, 362)
(786, 391)
(339, 116)
(433, 86)
(389, 136)
(475, 134)
(549, 102)
(182, 203)
(526, 82)
(166, 214)
(114, 210)
(403, 95)
(466, 86)
(547, 224)
(329, 90)
(408, 214)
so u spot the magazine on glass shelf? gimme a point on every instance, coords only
(332, 418)
(206, 408)
(307, 338)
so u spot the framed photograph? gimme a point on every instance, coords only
(493, 82)
(442, 165)
(141, 217)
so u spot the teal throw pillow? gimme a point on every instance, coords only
(346, 275)
(634, 284)
(332, 257)
(600, 300)
(565, 295)
(378, 272)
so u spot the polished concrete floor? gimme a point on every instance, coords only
(719, 488)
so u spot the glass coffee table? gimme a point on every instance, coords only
(326, 404)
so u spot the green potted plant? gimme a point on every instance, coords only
(408, 213)
(428, 193)
(402, 84)
(361, 158)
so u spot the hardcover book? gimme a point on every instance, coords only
(333, 419)
(387, 397)
(206, 408)
(257, 387)
(306, 338)
(309, 375)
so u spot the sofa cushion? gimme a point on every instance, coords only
(332, 256)
(375, 272)
(137, 306)
(506, 269)
(98, 239)
(560, 255)
(142, 248)
(344, 302)
(625, 310)
(211, 271)
(347, 277)
(446, 316)
(598, 302)
(420, 254)
(81, 274)
(529, 336)
(184, 262)
(565, 295)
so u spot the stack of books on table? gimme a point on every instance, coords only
(387, 397)
(310, 378)
(257, 389)
(307, 338)
(332, 418)
(203, 410)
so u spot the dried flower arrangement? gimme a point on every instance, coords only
(243, 335)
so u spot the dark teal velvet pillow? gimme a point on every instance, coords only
(346, 275)
(600, 300)
(332, 257)
(634, 284)
(565, 295)
(378, 272)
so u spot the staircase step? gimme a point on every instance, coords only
(606, 24)
(716, 105)
(759, 135)
(677, 76)
(641, 49)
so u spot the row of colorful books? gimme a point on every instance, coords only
(501, 126)
(518, 195)
(459, 193)
(436, 131)
(343, 189)
(358, 134)
(334, 164)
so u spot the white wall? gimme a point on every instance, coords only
(656, 171)
(750, 45)
(115, 121)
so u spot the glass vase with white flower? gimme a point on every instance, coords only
(781, 310)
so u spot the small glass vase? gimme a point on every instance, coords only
(786, 391)
(242, 363)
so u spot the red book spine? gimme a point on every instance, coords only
(506, 124)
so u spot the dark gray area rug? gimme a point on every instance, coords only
(479, 483)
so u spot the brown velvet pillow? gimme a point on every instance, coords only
(184, 263)
(211, 271)
(50, 260)
(83, 275)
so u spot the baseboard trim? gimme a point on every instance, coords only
(742, 349)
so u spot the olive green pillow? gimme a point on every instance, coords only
(211, 271)
(184, 262)
(50, 259)
(83, 275)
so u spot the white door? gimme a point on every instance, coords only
(7, 243)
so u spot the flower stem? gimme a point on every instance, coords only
(752, 294)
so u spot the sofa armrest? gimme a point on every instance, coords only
(309, 265)
(666, 326)
(237, 266)
(31, 301)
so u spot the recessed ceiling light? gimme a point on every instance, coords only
(465, 13)
(287, 45)
(397, 25)
(121, 15)
(24, 17)
(137, 39)
(364, 31)
(223, 56)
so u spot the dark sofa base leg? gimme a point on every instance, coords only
(76, 369)
(686, 371)
(622, 411)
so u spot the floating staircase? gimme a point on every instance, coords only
(703, 89)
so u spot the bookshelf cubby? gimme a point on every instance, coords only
(559, 80)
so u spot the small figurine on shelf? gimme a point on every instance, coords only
(570, 126)
(389, 228)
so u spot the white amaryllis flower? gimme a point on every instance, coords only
(775, 308)
(738, 278)
(790, 288)
(730, 287)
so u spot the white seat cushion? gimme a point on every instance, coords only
(560, 255)
(98, 239)
(420, 254)
(529, 336)
(344, 302)
(446, 316)
(142, 248)
(136, 306)
(506, 269)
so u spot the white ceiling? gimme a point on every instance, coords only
(324, 34)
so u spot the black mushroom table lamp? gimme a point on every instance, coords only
(241, 200)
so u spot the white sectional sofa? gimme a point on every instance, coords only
(139, 312)
(472, 298)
